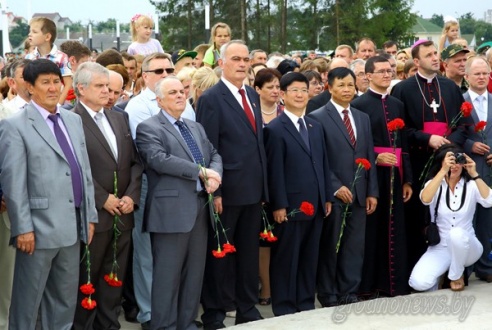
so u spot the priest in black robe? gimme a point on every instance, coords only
(385, 270)
(431, 102)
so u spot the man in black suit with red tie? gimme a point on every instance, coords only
(298, 172)
(230, 113)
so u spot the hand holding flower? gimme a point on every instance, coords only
(126, 205)
(480, 148)
(280, 215)
(387, 158)
(344, 194)
(112, 205)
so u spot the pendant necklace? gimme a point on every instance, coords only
(433, 105)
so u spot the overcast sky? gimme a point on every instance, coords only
(101, 10)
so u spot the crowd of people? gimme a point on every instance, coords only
(151, 183)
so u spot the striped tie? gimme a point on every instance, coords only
(348, 125)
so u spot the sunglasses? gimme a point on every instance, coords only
(161, 71)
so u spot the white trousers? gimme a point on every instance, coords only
(462, 250)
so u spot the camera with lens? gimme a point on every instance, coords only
(460, 158)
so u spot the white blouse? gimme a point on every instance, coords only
(463, 218)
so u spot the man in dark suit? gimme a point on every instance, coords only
(47, 184)
(230, 114)
(298, 171)
(478, 147)
(112, 157)
(348, 137)
(179, 160)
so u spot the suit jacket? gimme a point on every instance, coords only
(242, 151)
(103, 165)
(338, 145)
(172, 173)
(318, 101)
(296, 173)
(35, 178)
(482, 168)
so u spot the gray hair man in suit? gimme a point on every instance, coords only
(47, 183)
(477, 72)
(176, 215)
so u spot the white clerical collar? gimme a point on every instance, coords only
(383, 96)
(429, 79)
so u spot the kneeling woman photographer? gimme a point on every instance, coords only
(455, 188)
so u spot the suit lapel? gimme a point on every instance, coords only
(118, 133)
(93, 128)
(233, 103)
(290, 127)
(43, 130)
(488, 128)
(71, 127)
(168, 127)
(335, 116)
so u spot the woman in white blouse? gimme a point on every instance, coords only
(461, 189)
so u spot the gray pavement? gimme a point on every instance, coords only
(443, 309)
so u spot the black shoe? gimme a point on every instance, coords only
(131, 315)
(198, 324)
(349, 299)
(213, 326)
(328, 302)
(145, 325)
(241, 319)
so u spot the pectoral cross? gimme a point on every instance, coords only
(434, 106)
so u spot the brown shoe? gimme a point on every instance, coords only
(486, 278)
(458, 285)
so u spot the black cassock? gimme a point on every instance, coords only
(417, 110)
(385, 269)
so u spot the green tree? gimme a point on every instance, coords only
(18, 34)
(437, 20)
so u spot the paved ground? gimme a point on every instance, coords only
(443, 309)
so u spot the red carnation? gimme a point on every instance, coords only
(364, 163)
(466, 109)
(218, 253)
(480, 126)
(71, 95)
(228, 248)
(395, 124)
(87, 289)
(264, 234)
(112, 280)
(88, 303)
(307, 208)
(271, 237)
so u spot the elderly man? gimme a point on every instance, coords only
(143, 106)
(361, 82)
(179, 161)
(454, 57)
(230, 113)
(477, 74)
(365, 48)
(258, 56)
(47, 184)
(112, 156)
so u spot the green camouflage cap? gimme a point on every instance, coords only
(452, 50)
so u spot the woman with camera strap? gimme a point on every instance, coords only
(452, 193)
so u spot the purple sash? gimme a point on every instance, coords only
(398, 164)
(435, 128)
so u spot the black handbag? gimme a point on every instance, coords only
(432, 232)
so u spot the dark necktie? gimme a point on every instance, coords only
(304, 133)
(67, 151)
(190, 142)
(348, 125)
(247, 110)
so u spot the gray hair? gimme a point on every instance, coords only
(356, 63)
(158, 86)
(84, 74)
(224, 47)
(253, 52)
(19, 63)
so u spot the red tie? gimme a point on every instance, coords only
(348, 125)
(247, 110)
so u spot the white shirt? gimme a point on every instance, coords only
(446, 218)
(295, 119)
(235, 92)
(16, 103)
(481, 113)
(340, 109)
(141, 107)
(107, 127)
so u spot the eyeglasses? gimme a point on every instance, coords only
(314, 83)
(161, 71)
(361, 75)
(390, 72)
(297, 90)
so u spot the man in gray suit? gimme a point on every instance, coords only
(477, 71)
(47, 184)
(348, 136)
(176, 215)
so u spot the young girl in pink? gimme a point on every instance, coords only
(141, 28)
